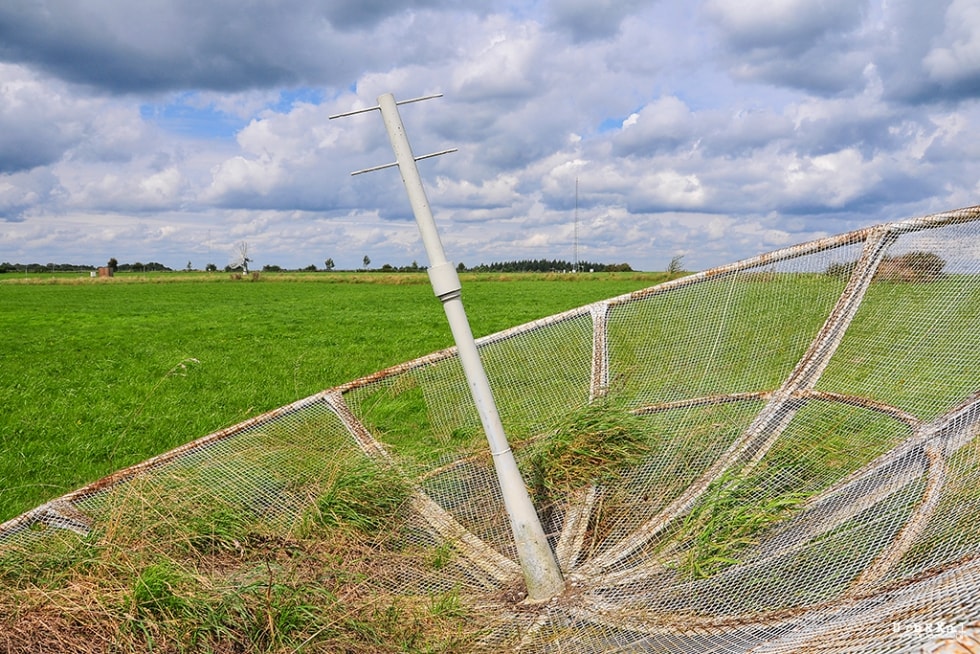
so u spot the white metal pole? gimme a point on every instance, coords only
(541, 571)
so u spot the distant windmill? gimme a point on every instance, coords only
(243, 259)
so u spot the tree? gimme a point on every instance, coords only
(367, 261)
(211, 267)
(328, 264)
(189, 267)
(113, 264)
(842, 269)
(917, 266)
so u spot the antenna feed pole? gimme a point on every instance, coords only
(538, 563)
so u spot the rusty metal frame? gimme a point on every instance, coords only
(934, 441)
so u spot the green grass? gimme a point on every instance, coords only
(591, 445)
(728, 519)
(96, 375)
(180, 565)
(723, 336)
(934, 328)
(364, 496)
(293, 550)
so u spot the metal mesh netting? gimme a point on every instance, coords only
(802, 469)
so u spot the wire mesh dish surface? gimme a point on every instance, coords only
(777, 455)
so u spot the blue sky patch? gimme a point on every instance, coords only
(194, 121)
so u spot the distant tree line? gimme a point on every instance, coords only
(415, 267)
(526, 265)
(136, 266)
(151, 266)
(546, 265)
(7, 267)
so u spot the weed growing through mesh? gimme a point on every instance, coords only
(364, 496)
(176, 567)
(590, 445)
(729, 518)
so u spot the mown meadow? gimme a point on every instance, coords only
(96, 375)
(306, 545)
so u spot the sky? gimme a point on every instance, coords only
(593, 130)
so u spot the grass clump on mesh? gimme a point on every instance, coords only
(729, 517)
(174, 566)
(593, 444)
(364, 496)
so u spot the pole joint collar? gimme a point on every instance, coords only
(445, 281)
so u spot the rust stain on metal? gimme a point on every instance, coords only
(497, 568)
(364, 439)
(124, 475)
(691, 622)
(809, 369)
(600, 352)
(932, 221)
(914, 526)
(769, 258)
(707, 400)
(965, 641)
(396, 370)
(864, 403)
(451, 352)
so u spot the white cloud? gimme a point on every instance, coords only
(714, 129)
(162, 188)
(665, 190)
(40, 120)
(500, 192)
(504, 67)
(835, 178)
(665, 123)
(957, 59)
(791, 25)
(240, 175)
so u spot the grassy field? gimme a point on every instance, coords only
(96, 375)
(290, 550)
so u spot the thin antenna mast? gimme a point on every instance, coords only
(538, 562)
(575, 254)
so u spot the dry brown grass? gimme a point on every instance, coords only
(171, 570)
